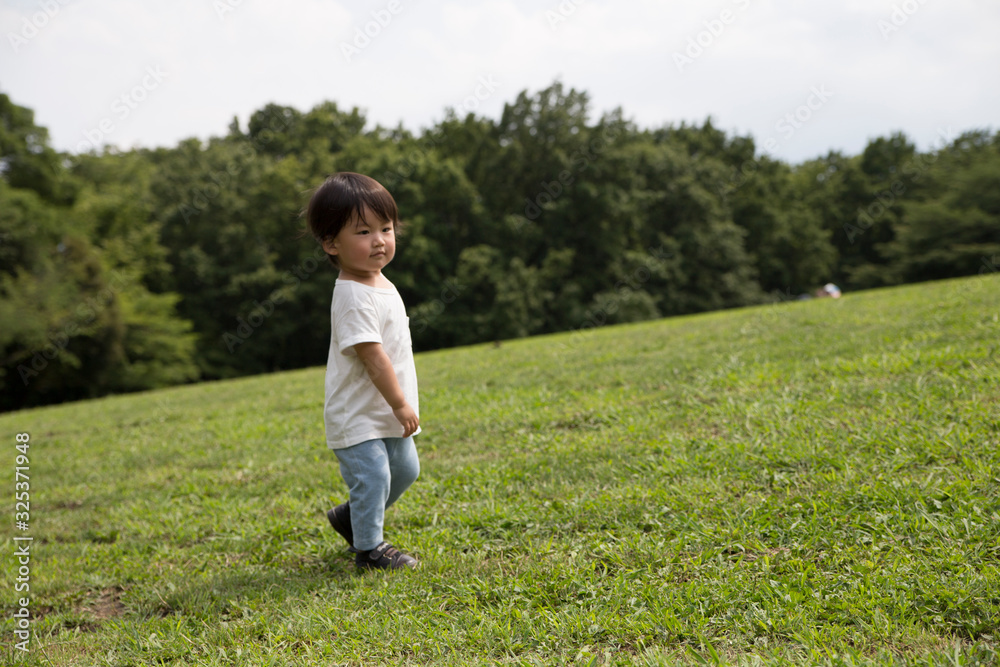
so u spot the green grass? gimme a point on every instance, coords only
(806, 483)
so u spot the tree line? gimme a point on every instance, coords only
(131, 270)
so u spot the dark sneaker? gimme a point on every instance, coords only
(340, 519)
(384, 557)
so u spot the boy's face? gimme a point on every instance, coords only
(363, 246)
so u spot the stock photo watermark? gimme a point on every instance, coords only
(85, 313)
(793, 121)
(32, 26)
(254, 320)
(486, 85)
(914, 170)
(121, 108)
(556, 17)
(22, 543)
(202, 195)
(580, 160)
(787, 125)
(899, 17)
(622, 292)
(450, 291)
(705, 39)
(223, 7)
(364, 34)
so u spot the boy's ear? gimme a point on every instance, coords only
(330, 246)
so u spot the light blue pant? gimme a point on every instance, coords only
(376, 472)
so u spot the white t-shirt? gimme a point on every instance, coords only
(355, 411)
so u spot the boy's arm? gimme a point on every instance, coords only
(384, 378)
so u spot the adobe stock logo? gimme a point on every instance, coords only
(818, 96)
(121, 108)
(486, 86)
(562, 13)
(381, 18)
(787, 125)
(30, 27)
(898, 18)
(705, 39)
(580, 160)
(223, 7)
(912, 172)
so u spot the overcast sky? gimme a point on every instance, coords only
(801, 78)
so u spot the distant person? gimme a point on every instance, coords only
(828, 291)
(371, 411)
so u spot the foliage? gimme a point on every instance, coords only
(543, 220)
(82, 313)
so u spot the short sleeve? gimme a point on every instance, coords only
(357, 322)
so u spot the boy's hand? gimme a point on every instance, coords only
(408, 418)
(380, 371)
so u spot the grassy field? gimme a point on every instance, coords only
(805, 483)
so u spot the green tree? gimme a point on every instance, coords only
(193, 261)
(955, 229)
(837, 190)
(791, 250)
(76, 313)
(26, 159)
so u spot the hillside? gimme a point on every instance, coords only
(812, 482)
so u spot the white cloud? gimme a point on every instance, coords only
(939, 68)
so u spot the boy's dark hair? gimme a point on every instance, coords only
(342, 195)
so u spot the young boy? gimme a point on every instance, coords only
(371, 409)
